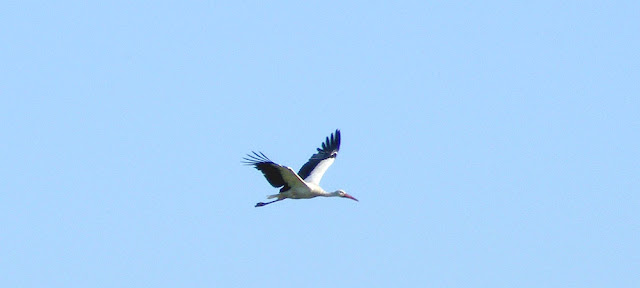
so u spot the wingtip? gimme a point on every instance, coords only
(254, 158)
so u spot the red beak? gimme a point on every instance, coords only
(350, 197)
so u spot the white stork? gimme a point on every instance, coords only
(305, 184)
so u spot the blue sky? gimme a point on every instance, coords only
(490, 143)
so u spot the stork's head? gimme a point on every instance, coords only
(341, 193)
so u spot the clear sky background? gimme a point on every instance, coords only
(490, 143)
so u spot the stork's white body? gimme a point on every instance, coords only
(301, 188)
(301, 192)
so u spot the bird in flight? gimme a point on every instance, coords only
(306, 183)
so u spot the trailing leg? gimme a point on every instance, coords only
(260, 204)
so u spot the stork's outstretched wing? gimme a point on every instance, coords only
(313, 170)
(277, 175)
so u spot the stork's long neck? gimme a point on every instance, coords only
(318, 191)
(331, 194)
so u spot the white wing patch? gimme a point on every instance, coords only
(290, 177)
(316, 174)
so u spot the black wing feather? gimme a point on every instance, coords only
(330, 149)
(268, 168)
